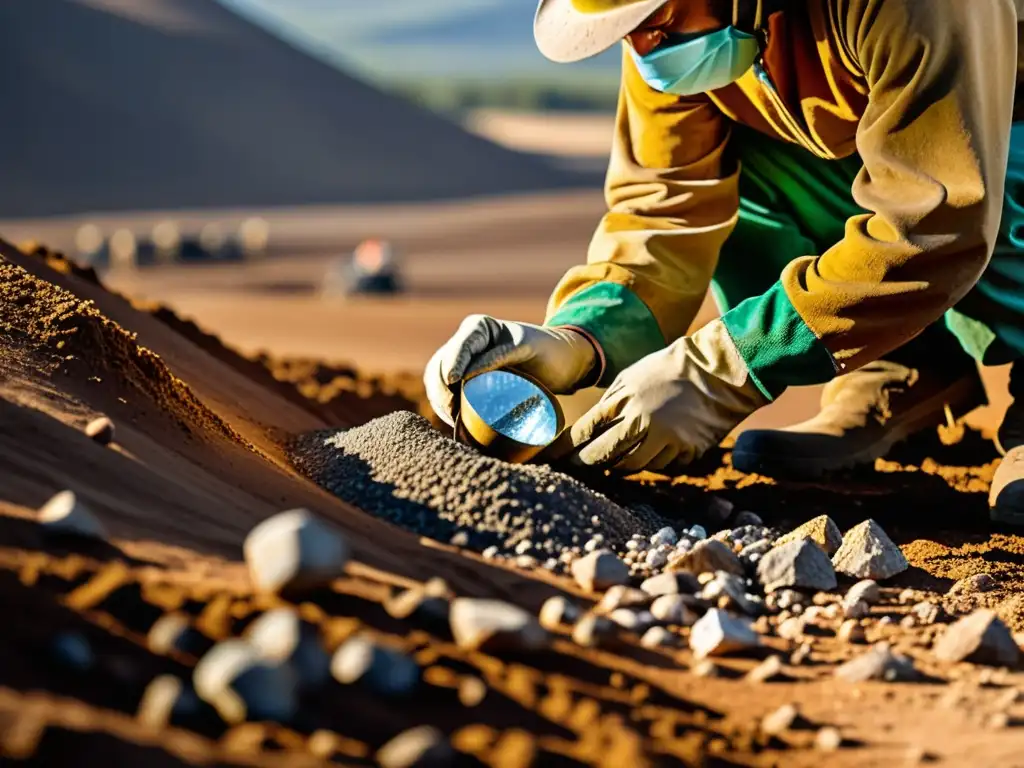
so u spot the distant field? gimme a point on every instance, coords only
(565, 134)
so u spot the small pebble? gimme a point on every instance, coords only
(971, 585)
(718, 633)
(780, 720)
(592, 631)
(850, 631)
(828, 739)
(657, 637)
(769, 670)
(674, 609)
(698, 532)
(472, 691)
(489, 625)
(420, 747)
(65, 515)
(294, 550)
(383, 670)
(460, 539)
(101, 430)
(664, 536)
(600, 570)
(621, 596)
(557, 611)
(706, 668)
(678, 582)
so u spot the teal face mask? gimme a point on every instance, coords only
(701, 63)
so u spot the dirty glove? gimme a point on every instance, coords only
(559, 358)
(671, 406)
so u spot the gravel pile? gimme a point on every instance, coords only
(402, 470)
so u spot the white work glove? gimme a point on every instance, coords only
(559, 358)
(669, 407)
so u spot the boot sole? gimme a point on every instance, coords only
(962, 396)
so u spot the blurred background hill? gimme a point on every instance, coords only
(447, 54)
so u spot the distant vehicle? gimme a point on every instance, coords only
(371, 269)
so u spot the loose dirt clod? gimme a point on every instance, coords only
(491, 625)
(717, 633)
(822, 530)
(401, 469)
(980, 638)
(294, 550)
(971, 585)
(800, 564)
(65, 515)
(867, 552)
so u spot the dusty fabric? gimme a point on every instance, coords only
(922, 90)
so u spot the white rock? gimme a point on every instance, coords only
(621, 596)
(980, 638)
(675, 583)
(294, 550)
(717, 633)
(867, 552)
(101, 430)
(592, 631)
(780, 720)
(800, 564)
(557, 611)
(360, 659)
(65, 515)
(657, 637)
(698, 532)
(174, 632)
(281, 637)
(879, 663)
(490, 625)
(420, 747)
(166, 701)
(674, 609)
(666, 535)
(243, 686)
(600, 570)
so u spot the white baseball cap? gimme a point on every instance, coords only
(571, 30)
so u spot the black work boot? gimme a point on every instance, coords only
(866, 412)
(1006, 497)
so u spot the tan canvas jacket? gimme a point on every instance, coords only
(922, 89)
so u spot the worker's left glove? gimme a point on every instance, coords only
(670, 407)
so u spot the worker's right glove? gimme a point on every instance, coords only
(559, 358)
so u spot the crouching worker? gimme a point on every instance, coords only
(845, 174)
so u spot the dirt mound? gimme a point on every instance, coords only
(201, 454)
(406, 472)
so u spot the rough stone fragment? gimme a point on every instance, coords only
(781, 720)
(65, 515)
(800, 564)
(674, 609)
(879, 663)
(420, 747)
(666, 535)
(925, 612)
(866, 591)
(657, 637)
(769, 670)
(243, 686)
(972, 585)
(708, 555)
(101, 430)
(592, 631)
(727, 590)
(822, 531)
(791, 628)
(600, 570)
(294, 550)
(492, 625)
(634, 621)
(361, 659)
(678, 583)
(717, 633)
(281, 637)
(621, 596)
(855, 610)
(867, 552)
(980, 638)
(557, 611)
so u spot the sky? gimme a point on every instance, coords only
(402, 39)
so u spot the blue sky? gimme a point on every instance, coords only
(387, 39)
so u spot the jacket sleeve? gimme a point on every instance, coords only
(934, 141)
(671, 205)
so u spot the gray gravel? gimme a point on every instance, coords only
(402, 470)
